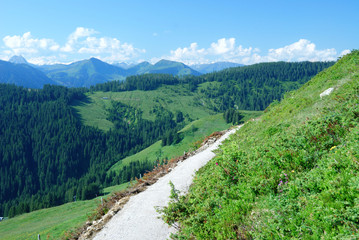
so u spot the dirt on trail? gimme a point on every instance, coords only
(138, 218)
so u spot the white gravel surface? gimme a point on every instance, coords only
(139, 219)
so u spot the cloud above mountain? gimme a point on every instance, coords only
(27, 44)
(84, 43)
(227, 50)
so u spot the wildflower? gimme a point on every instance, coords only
(217, 163)
(280, 183)
(292, 171)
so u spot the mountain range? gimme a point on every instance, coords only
(92, 71)
(23, 75)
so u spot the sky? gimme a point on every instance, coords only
(189, 31)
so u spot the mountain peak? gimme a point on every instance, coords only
(166, 62)
(95, 60)
(18, 59)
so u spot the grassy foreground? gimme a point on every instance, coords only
(51, 223)
(293, 174)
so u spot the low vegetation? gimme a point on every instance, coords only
(55, 222)
(291, 174)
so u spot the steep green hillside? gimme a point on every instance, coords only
(291, 174)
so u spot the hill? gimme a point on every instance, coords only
(84, 73)
(292, 173)
(22, 75)
(164, 67)
(141, 68)
(172, 67)
(214, 67)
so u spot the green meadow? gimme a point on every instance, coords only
(52, 223)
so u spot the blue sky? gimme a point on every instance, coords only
(195, 31)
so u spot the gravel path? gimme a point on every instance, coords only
(139, 219)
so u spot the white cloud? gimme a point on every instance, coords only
(227, 50)
(188, 55)
(109, 49)
(72, 41)
(345, 52)
(223, 46)
(80, 44)
(26, 44)
(222, 50)
(44, 60)
(84, 43)
(303, 50)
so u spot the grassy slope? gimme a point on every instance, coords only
(172, 98)
(52, 222)
(291, 174)
(205, 126)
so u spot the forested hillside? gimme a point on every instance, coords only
(49, 155)
(255, 87)
(248, 88)
(291, 174)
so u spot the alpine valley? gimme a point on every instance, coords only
(79, 131)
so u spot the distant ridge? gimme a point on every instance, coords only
(172, 67)
(141, 68)
(23, 75)
(84, 73)
(214, 67)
